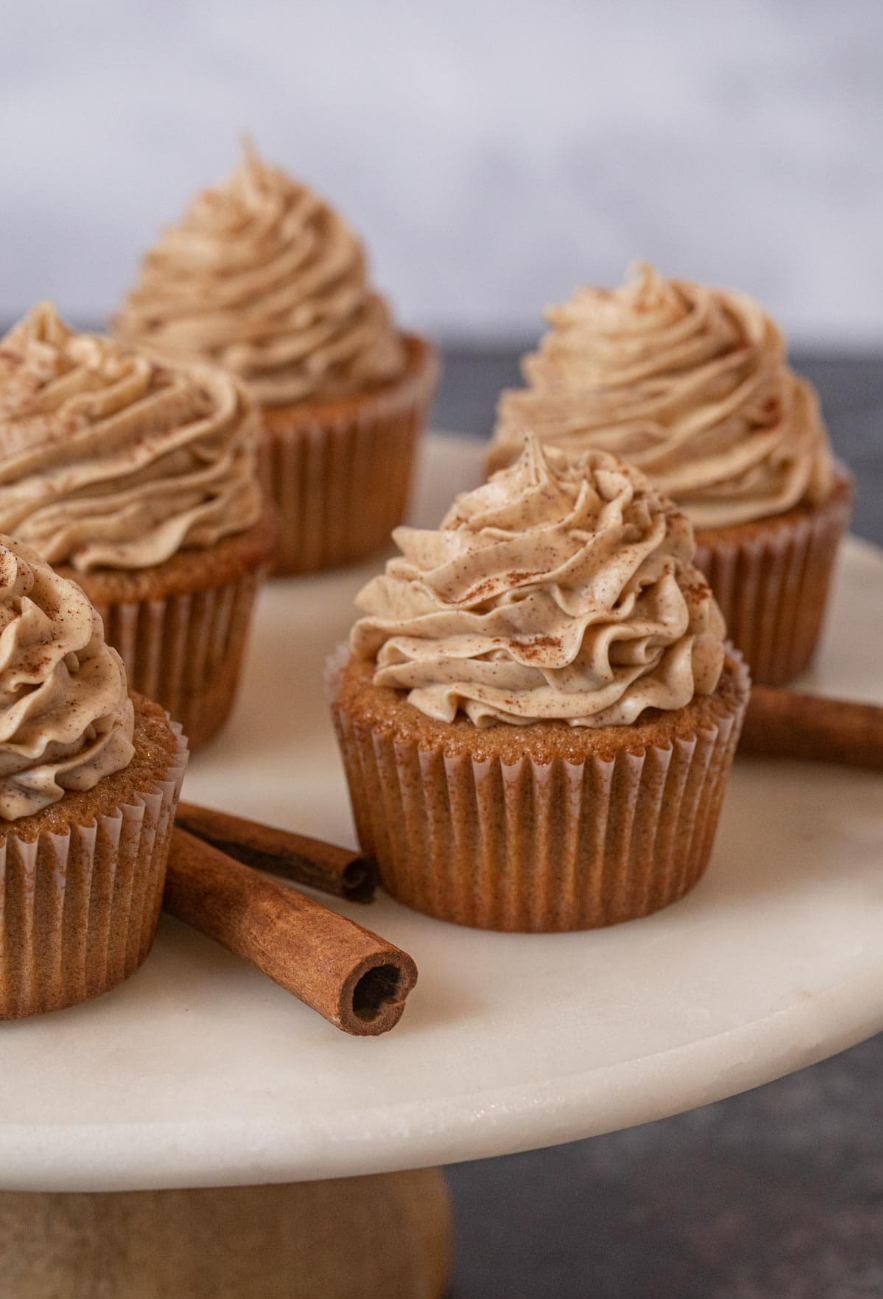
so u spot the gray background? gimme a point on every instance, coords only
(493, 153)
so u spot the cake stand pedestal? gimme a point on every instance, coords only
(199, 1072)
(385, 1236)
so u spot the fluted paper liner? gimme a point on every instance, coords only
(537, 846)
(78, 911)
(340, 472)
(185, 650)
(772, 584)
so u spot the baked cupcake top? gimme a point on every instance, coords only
(563, 589)
(688, 383)
(267, 280)
(109, 458)
(66, 720)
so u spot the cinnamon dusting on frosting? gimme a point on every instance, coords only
(690, 384)
(563, 588)
(66, 720)
(264, 278)
(109, 458)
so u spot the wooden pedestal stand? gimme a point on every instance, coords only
(377, 1237)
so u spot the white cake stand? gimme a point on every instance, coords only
(200, 1072)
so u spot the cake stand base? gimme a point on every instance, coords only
(378, 1237)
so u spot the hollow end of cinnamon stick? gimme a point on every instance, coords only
(354, 978)
(359, 880)
(296, 857)
(375, 995)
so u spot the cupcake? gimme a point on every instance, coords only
(139, 479)
(691, 384)
(537, 712)
(264, 278)
(89, 782)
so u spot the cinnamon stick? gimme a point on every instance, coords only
(358, 981)
(296, 857)
(784, 723)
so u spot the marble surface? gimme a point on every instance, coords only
(774, 1194)
(199, 1071)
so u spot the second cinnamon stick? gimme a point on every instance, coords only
(357, 980)
(783, 723)
(297, 857)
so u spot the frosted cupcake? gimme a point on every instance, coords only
(537, 711)
(691, 384)
(89, 782)
(140, 480)
(264, 278)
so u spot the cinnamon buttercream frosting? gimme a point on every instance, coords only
(109, 458)
(264, 278)
(66, 720)
(562, 589)
(688, 383)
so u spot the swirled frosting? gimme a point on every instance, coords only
(111, 459)
(688, 383)
(66, 720)
(262, 277)
(562, 589)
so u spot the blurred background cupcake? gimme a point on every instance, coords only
(691, 384)
(537, 711)
(263, 277)
(89, 781)
(139, 479)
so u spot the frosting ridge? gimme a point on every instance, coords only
(109, 458)
(66, 720)
(264, 278)
(562, 589)
(689, 383)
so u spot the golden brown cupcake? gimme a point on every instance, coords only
(139, 479)
(264, 278)
(89, 782)
(692, 385)
(537, 711)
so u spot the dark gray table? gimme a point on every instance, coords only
(777, 1194)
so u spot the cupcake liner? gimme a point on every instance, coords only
(185, 650)
(78, 911)
(772, 584)
(537, 846)
(340, 473)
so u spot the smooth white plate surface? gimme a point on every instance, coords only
(200, 1071)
